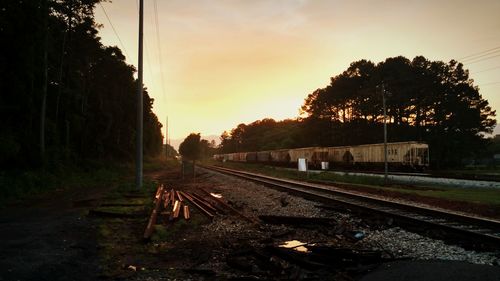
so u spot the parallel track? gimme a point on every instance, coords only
(435, 175)
(431, 174)
(474, 232)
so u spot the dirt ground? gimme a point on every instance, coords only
(49, 238)
(62, 237)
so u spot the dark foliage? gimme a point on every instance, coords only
(195, 148)
(190, 148)
(50, 51)
(263, 134)
(429, 101)
(170, 151)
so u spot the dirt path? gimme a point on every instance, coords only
(49, 238)
(52, 238)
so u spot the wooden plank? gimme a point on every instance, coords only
(233, 210)
(179, 196)
(203, 210)
(172, 195)
(154, 215)
(177, 208)
(202, 201)
(186, 212)
(166, 202)
(215, 206)
(158, 192)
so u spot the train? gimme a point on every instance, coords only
(409, 155)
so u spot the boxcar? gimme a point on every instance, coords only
(320, 154)
(399, 154)
(240, 157)
(263, 156)
(280, 157)
(305, 152)
(340, 156)
(251, 157)
(411, 154)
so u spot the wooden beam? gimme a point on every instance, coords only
(203, 210)
(154, 214)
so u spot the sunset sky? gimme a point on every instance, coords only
(226, 62)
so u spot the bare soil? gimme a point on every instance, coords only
(55, 238)
(50, 238)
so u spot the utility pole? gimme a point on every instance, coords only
(139, 150)
(386, 168)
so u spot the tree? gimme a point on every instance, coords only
(170, 151)
(262, 134)
(190, 148)
(430, 101)
(434, 102)
(87, 110)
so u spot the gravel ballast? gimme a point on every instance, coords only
(254, 200)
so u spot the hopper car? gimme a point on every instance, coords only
(411, 155)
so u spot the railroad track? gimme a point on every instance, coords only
(466, 230)
(433, 175)
(430, 174)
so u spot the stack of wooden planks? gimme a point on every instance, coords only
(174, 202)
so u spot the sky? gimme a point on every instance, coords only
(213, 64)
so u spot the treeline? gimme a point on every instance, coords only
(193, 147)
(265, 134)
(428, 101)
(65, 96)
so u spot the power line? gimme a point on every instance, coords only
(479, 53)
(481, 56)
(483, 59)
(489, 84)
(158, 44)
(114, 30)
(485, 70)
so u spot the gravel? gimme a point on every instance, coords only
(254, 200)
(404, 244)
(258, 200)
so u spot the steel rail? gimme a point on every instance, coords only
(482, 233)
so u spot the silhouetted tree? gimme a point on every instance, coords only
(429, 101)
(88, 108)
(190, 148)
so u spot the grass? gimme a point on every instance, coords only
(486, 196)
(116, 237)
(476, 196)
(154, 164)
(169, 232)
(292, 174)
(126, 210)
(120, 240)
(362, 180)
(128, 188)
(21, 185)
(116, 200)
(475, 171)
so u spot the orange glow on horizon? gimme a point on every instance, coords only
(229, 62)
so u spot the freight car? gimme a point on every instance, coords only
(404, 155)
(280, 157)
